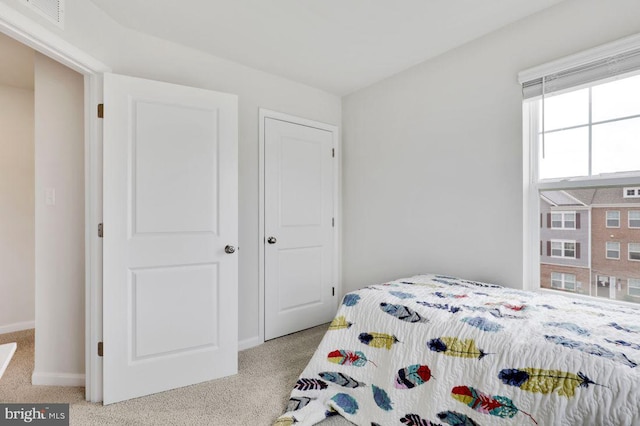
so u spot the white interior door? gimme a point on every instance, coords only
(299, 232)
(170, 209)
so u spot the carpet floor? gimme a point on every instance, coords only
(257, 395)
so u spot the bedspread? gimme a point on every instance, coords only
(433, 349)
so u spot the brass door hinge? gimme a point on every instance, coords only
(100, 230)
(100, 110)
(100, 349)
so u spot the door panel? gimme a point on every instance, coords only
(299, 202)
(170, 208)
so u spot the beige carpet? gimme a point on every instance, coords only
(256, 396)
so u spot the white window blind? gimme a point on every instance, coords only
(577, 76)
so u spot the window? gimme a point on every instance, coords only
(563, 220)
(631, 192)
(613, 250)
(634, 287)
(581, 120)
(613, 219)
(563, 248)
(634, 218)
(563, 281)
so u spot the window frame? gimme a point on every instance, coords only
(636, 192)
(563, 220)
(563, 280)
(606, 219)
(606, 250)
(629, 219)
(629, 251)
(532, 185)
(564, 248)
(629, 286)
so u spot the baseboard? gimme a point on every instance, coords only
(57, 379)
(18, 326)
(252, 342)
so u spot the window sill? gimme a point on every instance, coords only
(572, 295)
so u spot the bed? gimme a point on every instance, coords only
(438, 350)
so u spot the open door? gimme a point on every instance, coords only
(170, 227)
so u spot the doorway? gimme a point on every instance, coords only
(48, 207)
(17, 183)
(85, 312)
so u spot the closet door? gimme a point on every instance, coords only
(299, 234)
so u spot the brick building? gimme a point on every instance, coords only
(590, 242)
(564, 242)
(615, 243)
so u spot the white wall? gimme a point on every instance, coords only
(433, 156)
(59, 227)
(135, 54)
(17, 303)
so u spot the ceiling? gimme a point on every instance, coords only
(336, 45)
(16, 66)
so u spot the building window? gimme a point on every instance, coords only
(563, 281)
(563, 220)
(634, 251)
(634, 287)
(631, 192)
(613, 250)
(634, 218)
(613, 219)
(561, 248)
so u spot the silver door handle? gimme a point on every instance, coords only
(271, 240)
(229, 249)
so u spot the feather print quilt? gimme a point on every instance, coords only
(435, 350)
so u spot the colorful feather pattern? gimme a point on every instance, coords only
(412, 376)
(551, 308)
(623, 343)
(345, 401)
(626, 329)
(443, 306)
(381, 398)
(350, 299)
(496, 405)
(285, 421)
(340, 379)
(420, 284)
(416, 420)
(310, 384)
(592, 349)
(569, 326)
(454, 418)
(346, 357)
(340, 323)
(402, 295)
(496, 312)
(378, 340)
(545, 381)
(453, 346)
(483, 324)
(449, 295)
(402, 313)
(296, 403)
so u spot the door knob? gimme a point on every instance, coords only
(230, 249)
(271, 240)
